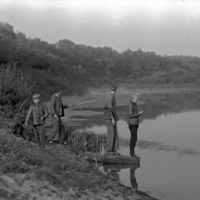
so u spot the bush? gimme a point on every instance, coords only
(15, 158)
(15, 88)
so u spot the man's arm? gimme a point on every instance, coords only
(28, 116)
(53, 100)
(108, 104)
(131, 114)
(66, 105)
(46, 113)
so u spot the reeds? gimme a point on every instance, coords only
(86, 141)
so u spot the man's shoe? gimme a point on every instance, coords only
(133, 155)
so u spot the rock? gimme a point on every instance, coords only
(111, 159)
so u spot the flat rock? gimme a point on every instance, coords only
(109, 158)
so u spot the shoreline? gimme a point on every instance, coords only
(83, 179)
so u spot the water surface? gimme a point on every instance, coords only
(169, 169)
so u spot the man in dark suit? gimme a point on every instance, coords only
(111, 118)
(57, 111)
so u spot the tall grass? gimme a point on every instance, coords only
(85, 141)
(15, 87)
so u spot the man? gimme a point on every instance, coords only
(111, 118)
(133, 122)
(57, 111)
(37, 113)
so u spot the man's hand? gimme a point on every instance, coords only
(56, 116)
(71, 105)
(141, 112)
(113, 122)
(42, 118)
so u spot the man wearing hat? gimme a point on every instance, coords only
(37, 113)
(111, 118)
(133, 122)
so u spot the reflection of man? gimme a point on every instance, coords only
(133, 180)
(114, 170)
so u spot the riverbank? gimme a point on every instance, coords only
(27, 173)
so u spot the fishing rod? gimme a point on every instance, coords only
(85, 102)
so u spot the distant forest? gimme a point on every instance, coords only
(73, 66)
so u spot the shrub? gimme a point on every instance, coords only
(15, 158)
(15, 88)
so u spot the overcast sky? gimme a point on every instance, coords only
(165, 27)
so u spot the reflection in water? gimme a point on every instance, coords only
(115, 169)
(180, 130)
(133, 179)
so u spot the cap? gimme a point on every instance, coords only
(36, 95)
(113, 87)
(135, 95)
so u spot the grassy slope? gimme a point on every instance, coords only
(56, 174)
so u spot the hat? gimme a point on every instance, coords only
(135, 95)
(36, 95)
(113, 87)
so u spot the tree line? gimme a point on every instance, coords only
(71, 65)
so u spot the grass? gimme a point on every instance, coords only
(84, 141)
(61, 167)
(19, 156)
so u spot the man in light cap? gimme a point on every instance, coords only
(37, 113)
(133, 121)
(111, 118)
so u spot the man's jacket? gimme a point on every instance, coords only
(57, 106)
(110, 108)
(133, 117)
(36, 112)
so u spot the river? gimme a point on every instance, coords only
(168, 146)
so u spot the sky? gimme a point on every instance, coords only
(163, 26)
